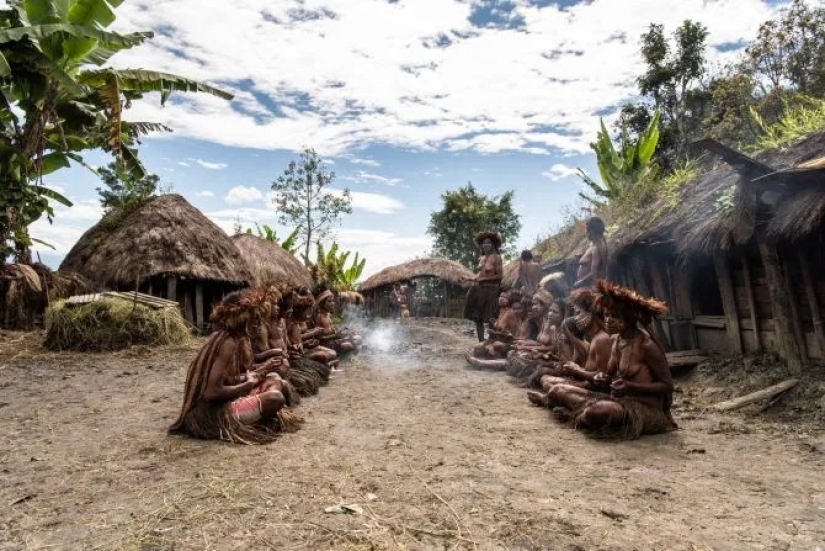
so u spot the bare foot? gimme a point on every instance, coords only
(538, 398)
(561, 414)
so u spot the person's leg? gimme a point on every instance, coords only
(271, 403)
(480, 331)
(602, 414)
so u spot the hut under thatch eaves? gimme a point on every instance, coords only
(166, 247)
(269, 263)
(739, 256)
(437, 288)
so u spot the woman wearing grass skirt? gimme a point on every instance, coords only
(482, 298)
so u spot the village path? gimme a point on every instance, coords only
(431, 454)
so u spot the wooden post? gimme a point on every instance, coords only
(172, 287)
(751, 303)
(796, 320)
(187, 306)
(810, 292)
(199, 305)
(720, 261)
(780, 305)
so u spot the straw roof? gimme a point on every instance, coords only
(700, 222)
(166, 235)
(269, 262)
(510, 273)
(446, 270)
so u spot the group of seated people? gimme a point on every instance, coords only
(270, 346)
(601, 370)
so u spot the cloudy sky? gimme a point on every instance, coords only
(406, 99)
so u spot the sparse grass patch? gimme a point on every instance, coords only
(796, 122)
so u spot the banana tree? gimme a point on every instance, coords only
(266, 232)
(620, 169)
(331, 267)
(58, 100)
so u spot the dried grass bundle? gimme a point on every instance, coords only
(112, 324)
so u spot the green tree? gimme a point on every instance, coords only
(57, 100)
(672, 85)
(125, 191)
(330, 267)
(790, 51)
(304, 199)
(624, 170)
(467, 212)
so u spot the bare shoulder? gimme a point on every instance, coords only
(603, 339)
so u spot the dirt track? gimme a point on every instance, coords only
(435, 455)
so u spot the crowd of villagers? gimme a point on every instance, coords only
(270, 346)
(600, 369)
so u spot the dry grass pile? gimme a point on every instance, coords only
(112, 324)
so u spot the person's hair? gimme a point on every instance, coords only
(595, 225)
(526, 254)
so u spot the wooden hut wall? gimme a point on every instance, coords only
(196, 298)
(428, 297)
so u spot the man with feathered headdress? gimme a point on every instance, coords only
(226, 396)
(638, 374)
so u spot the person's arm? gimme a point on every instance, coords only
(216, 388)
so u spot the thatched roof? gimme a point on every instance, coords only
(269, 262)
(446, 270)
(166, 235)
(718, 209)
(510, 273)
(569, 243)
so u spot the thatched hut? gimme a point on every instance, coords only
(268, 262)
(168, 248)
(437, 288)
(739, 255)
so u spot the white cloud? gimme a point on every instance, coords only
(183, 163)
(364, 72)
(372, 202)
(69, 224)
(205, 193)
(211, 166)
(365, 162)
(243, 194)
(366, 177)
(559, 171)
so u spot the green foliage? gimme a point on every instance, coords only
(622, 170)
(724, 200)
(797, 121)
(467, 212)
(790, 51)
(265, 232)
(57, 101)
(304, 198)
(124, 192)
(331, 268)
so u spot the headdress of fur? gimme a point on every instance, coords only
(302, 299)
(493, 236)
(272, 294)
(543, 296)
(324, 296)
(627, 302)
(584, 299)
(238, 311)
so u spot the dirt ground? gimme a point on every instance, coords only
(429, 454)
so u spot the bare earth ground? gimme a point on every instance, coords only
(436, 456)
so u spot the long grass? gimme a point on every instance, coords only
(796, 122)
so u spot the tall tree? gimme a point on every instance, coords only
(790, 51)
(304, 198)
(124, 190)
(671, 84)
(57, 100)
(467, 212)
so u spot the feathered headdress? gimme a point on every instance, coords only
(627, 302)
(238, 311)
(493, 236)
(324, 296)
(544, 296)
(584, 299)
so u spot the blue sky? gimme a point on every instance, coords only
(405, 98)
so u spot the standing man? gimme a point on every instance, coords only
(593, 264)
(529, 274)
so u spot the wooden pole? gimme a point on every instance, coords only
(763, 394)
(199, 305)
(796, 320)
(726, 290)
(810, 292)
(172, 287)
(780, 305)
(751, 303)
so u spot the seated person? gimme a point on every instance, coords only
(589, 321)
(331, 337)
(638, 376)
(226, 396)
(503, 332)
(304, 341)
(269, 342)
